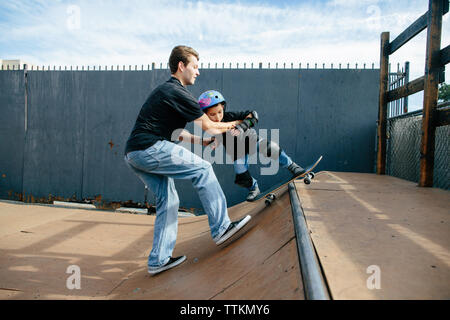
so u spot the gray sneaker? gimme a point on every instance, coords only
(173, 262)
(232, 229)
(253, 194)
(295, 169)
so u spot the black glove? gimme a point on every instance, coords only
(248, 122)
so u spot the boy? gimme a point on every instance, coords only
(157, 161)
(213, 104)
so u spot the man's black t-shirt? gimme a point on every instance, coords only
(169, 107)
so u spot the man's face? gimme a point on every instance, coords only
(190, 71)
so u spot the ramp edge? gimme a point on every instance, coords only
(313, 282)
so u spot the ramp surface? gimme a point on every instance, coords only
(39, 243)
(371, 230)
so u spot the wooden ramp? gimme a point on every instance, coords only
(364, 225)
(39, 243)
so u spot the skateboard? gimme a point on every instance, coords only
(269, 195)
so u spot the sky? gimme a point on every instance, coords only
(139, 32)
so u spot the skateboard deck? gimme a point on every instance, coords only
(307, 176)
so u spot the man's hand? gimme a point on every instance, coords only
(213, 128)
(212, 142)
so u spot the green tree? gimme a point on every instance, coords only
(444, 92)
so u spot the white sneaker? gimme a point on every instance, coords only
(232, 229)
(253, 194)
(173, 262)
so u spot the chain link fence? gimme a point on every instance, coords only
(404, 135)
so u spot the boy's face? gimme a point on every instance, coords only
(215, 113)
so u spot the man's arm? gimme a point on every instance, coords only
(189, 137)
(213, 128)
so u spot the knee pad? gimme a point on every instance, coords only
(270, 149)
(244, 180)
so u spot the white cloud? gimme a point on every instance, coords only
(141, 32)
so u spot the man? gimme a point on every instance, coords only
(157, 161)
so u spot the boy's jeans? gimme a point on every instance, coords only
(157, 167)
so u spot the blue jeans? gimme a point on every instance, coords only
(157, 167)
(241, 165)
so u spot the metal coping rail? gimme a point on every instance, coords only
(315, 287)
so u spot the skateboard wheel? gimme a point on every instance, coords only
(307, 180)
(312, 175)
(270, 198)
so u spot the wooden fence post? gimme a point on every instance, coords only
(405, 99)
(430, 95)
(382, 103)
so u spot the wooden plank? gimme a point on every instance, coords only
(417, 84)
(407, 90)
(432, 68)
(445, 55)
(405, 102)
(255, 266)
(382, 103)
(442, 117)
(444, 59)
(415, 28)
(111, 250)
(358, 220)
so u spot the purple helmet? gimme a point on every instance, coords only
(210, 98)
